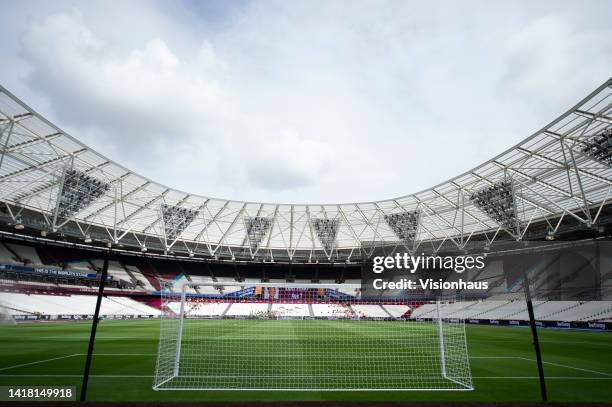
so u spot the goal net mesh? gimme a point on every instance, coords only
(304, 338)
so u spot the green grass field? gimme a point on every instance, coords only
(578, 364)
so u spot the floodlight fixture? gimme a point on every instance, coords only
(18, 223)
(405, 224)
(256, 229)
(176, 219)
(78, 191)
(599, 147)
(498, 202)
(327, 231)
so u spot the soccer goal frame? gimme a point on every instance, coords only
(276, 348)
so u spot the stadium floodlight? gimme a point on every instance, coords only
(77, 192)
(404, 224)
(18, 223)
(256, 229)
(600, 147)
(176, 219)
(497, 201)
(326, 230)
(306, 337)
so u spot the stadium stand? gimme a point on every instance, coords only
(396, 311)
(212, 309)
(370, 311)
(6, 256)
(292, 310)
(25, 254)
(246, 309)
(141, 280)
(332, 311)
(55, 305)
(137, 276)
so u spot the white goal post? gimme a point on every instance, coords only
(306, 337)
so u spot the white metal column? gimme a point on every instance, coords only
(179, 335)
(441, 341)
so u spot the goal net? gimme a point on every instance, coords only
(306, 337)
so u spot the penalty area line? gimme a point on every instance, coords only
(570, 367)
(40, 361)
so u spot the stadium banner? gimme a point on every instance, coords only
(49, 271)
(75, 317)
(592, 326)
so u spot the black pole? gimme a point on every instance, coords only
(94, 327)
(536, 342)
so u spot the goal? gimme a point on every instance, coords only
(306, 337)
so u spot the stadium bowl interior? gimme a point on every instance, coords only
(258, 301)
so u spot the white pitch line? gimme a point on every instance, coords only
(78, 375)
(538, 377)
(41, 361)
(120, 354)
(495, 357)
(569, 367)
(151, 376)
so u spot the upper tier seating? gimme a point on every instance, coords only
(115, 269)
(141, 278)
(6, 256)
(204, 285)
(26, 253)
(350, 291)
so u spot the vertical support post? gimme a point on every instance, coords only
(441, 341)
(94, 327)
(179, 335)
(536, 342)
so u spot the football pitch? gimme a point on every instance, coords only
(578, 364)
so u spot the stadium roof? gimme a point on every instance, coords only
(562, 171)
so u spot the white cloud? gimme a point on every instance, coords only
(552, 51)
(140, 91)
(302, 101)
(289, 161)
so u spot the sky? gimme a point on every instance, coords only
(303, 101)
